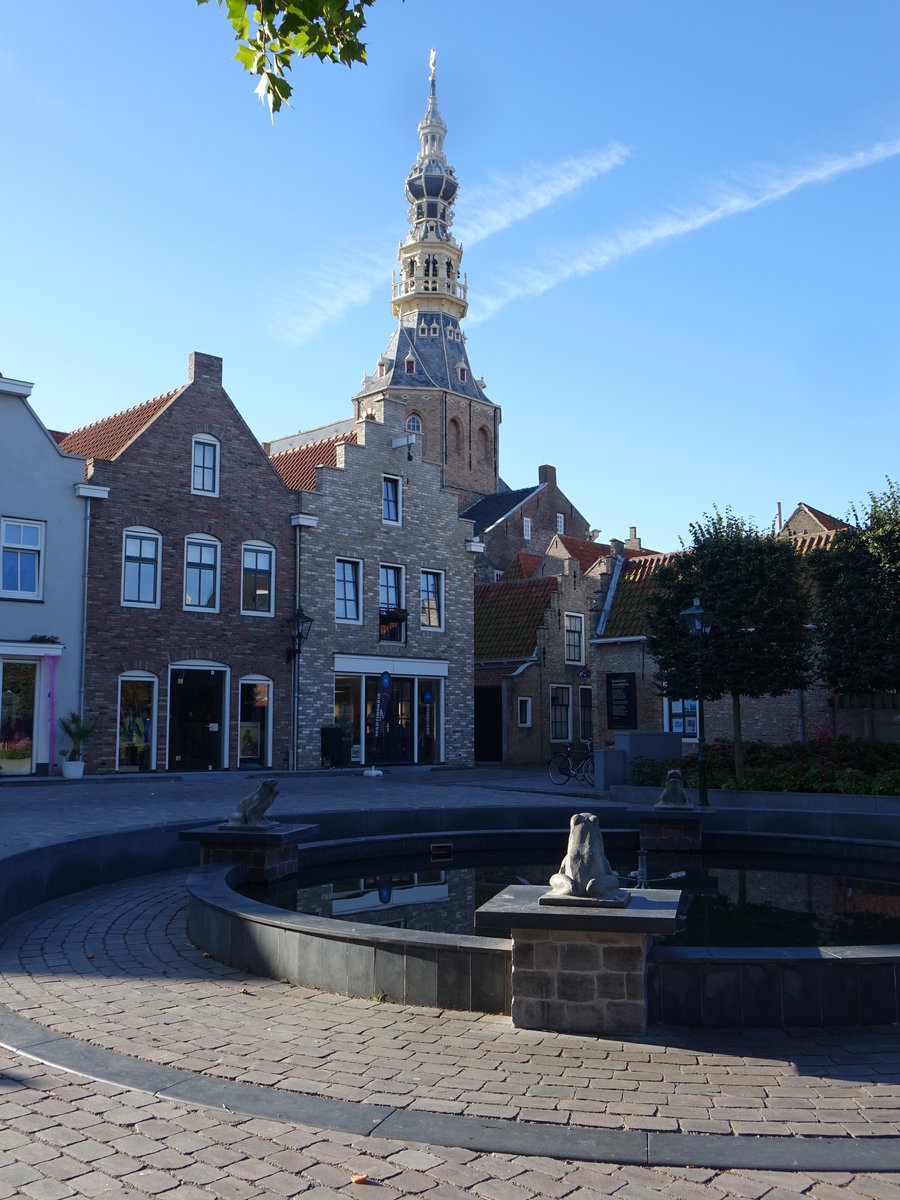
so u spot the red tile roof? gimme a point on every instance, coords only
(626, 614)
(792, 526)
(586, 553)
(109, 437)
(297, 467)
(523, 566)
(507, 617)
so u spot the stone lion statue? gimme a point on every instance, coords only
(673, 794)
(585, 871)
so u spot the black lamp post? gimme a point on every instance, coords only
(299, 625)
(697, 624)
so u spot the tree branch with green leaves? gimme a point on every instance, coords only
(271, 34)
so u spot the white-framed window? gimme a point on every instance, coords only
(498, 575)
(586, 712)
(391, 609)
(435, 329)
(22, 573)
(524, 712)
(205, 465)
(413, 423)
(560, 713)
(258, 579)
(560, 523)
(137, 722)
(348, 590)
(526, 528)
(391, 500)
(141, 556)
(574, 629)
(201, 572)
(410, 366)
(680, 716)
(431, 600)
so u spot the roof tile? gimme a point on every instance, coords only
(297, 467)
(507, 617)
(108, 438)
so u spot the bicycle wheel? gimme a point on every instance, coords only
(589, 770)
(559, 769)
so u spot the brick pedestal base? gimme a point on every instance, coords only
(269, 853)
(579, 982)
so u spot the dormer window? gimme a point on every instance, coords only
(463, 374)
(381, 370)
(205, 474)
(435, 330)
(410, 366)
(423, 330)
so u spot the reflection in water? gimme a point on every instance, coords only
(727, 904)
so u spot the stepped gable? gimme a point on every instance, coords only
(507, 617)
(107, 438)
(490, 510)
(297, 467)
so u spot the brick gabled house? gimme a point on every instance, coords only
(190, 588)
(385, 569)
(533, 691)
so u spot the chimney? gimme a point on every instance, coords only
(205, 368)
(547, 474)
(634, 542)
(617, 547)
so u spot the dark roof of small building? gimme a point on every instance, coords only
(507, 617)
(489, 510)
(297, 467)
(107, 438)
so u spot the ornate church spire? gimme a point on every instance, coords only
(430, 256)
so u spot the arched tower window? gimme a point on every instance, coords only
(484, 444)
(454, 436)
(413, 423)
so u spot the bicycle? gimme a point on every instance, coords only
(563, 766)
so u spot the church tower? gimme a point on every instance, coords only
(425, 365)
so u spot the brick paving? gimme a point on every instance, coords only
(113, 968)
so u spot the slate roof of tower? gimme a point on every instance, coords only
(108, 438)
(507, 617)
(297, 467)
(490, 509)
(436, 360)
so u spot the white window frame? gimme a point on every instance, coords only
(526, 528)
(142, 677)
(19, 548)
(255, 546)
(202, 539)
(676, 720)
(577, 622)
(566, 689)
(398, 520)
(145, 534)
(413, 423)
(523, 707)
(561, 524)
(205, 439)
(357, 565)
(439, 576)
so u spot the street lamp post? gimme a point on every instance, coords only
(697, 624)
(299, 626)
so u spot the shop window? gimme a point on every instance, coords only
(254, 741)
(137, 723)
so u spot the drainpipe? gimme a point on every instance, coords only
(84, 600)
(295, 664)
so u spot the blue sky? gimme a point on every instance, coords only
(680, 225)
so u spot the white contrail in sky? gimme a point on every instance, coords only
(325, 292)
(600, 252)
(507, 199)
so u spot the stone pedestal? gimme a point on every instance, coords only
(269, 852)
(579, 969)
(670, 828)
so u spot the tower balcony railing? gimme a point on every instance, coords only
(437, 287)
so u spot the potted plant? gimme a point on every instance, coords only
(78, 733)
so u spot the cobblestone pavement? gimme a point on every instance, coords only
(112, 967)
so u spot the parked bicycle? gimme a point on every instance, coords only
(563, 765)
